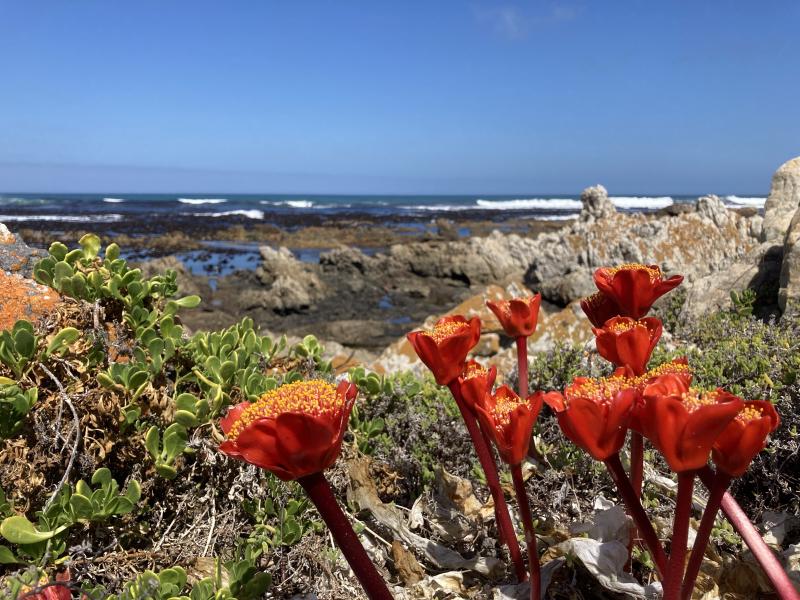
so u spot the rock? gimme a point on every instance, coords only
(188, 284)
(291, 285)
(693, 243)
(783, 201)
(352, 332)
(674, 210)
(596, 204)
(15, 255)
(350, 266)
(757, 270)
(789, 292)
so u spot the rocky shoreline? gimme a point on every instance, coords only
(371, 285)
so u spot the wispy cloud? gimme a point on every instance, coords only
(515, 22)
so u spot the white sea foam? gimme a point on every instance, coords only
(114, 200)
(202, 200)
(631, 202)
(292, 203)
(746, 201)
(250, 214)
(566, 217)
(529, 203)
(110, 218)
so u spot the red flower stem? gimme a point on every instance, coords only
(717, 490)
(636, 476)
(680, 536)
(530, 533)
(764, 555)
(486, 460)
(637, 513)
(637, 462)
(319, 490)
(522, 365)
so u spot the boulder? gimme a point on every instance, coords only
(289, 284)
(693, 243)
(15, 255)
(596, 204)
(783, 201)
(789, 292)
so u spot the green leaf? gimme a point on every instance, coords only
(151, 442)
(81, 506)
(112, 252)
(174, 440)
(62, 340)
(166, 471)
(7, 556)
(188, 301)
(90, 244)
(62, 271)
(58, 250)
(102, 476)
(18, 530)
(134, 491)
(6, 381)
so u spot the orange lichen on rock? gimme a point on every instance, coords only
(22, 298)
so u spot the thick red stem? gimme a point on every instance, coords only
(530, 532)
(763, 554)
(637, 462)
(637, 513)
(319, 490)
(486, 460)
(718, 487)
(522, 365)
(680, 536)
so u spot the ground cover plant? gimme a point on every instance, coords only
(114, 416)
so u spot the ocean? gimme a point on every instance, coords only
(287, 208)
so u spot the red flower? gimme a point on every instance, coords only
(683, 423)
(599, 308)
(518, 316)
(51, 591)
(634, 287)
(444, 348)
(627, 342)
(475, 382)
(292, 431)
(594, 413)
(744, 437)
(508, 420)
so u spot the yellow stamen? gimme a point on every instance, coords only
(624, 326)
(475, 369)
(694, 398)
(314, 397)
(655, 274)
(750, 413)
(602, 389)
(505, 405)
(668, 368)
(442, 331)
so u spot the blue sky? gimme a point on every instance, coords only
(397, 97)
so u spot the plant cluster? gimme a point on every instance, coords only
(132, 355)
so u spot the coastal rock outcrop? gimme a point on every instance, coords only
(771, 268)
(783, 201)
(20, 296)
(692, 243)
(789, 292)
(596, 204)
(289, 284)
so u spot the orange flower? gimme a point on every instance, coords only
(508, 420)
(594, 413)
(475, 382)
(599, 308)
(634, 287)
(444, 348)
(294, 430)
(627, 342)
(518, 316)
(744, 437)
(683, 423)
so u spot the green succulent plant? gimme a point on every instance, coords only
(18, 347)
(165, 449)
(15, 404)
